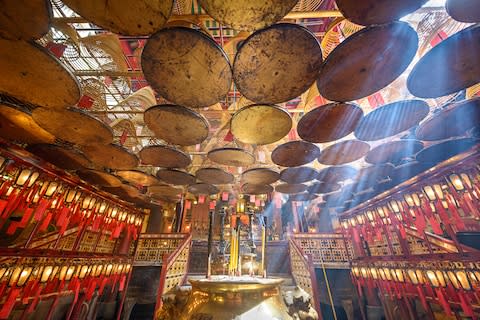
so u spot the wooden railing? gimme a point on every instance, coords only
(329, 250)
(174, 270)
(152, 248)
(303, 273)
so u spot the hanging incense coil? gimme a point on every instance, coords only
(298, 174)
(323, 187)
(202, 188)
(464, 10)
(252, 188)
(161, 191)
(367, 61)
(62, 157)
(260, 176)
(33, 75)
(267, 71)
(137, 177)
(260, 124)
(176, 177)
(302, 197)
(99, 178)
(164, 156)
(187, 67)
(229, 156)
(394, 152)
(344, 152)
(18, 125)
(452, 69)
(336, 173)
(214, 176)
(391, 119)
(368, 12)
(290, 188)
(25, 19)
(452, 121)
(73, 125)
(137, 18)
(445, 150)
(329, 122)
(176, 124)
(247, 15)
(111, 156)
(295, 153)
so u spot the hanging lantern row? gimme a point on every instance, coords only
(446, 206)
(45, 200)
(460, 286)
(26, 283)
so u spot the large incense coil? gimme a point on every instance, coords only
(368, 12)
(17, 125)
(25, 19)
(266, 70)
(62, 157)
(159, 191)
(187, 67)
(404, 172)
(323, 187)
(177, 124)
(290, 188)
(336, 173)
(247, 15)
(202, 188)
(175, 177)
(99, 178)
(33, 75)
(260, 124)
(295, 153)
(329, 122)
(229, 156)
(452, 69)
(73, 125)
(452, 121)
(253, 188)
(302, 197)
(137, 177)
(111, 156)
(445, 150)
(367, 61)
(125, 191)
(298, 174)
(394, 152)
(214, 176)
(136, 18)
(164, 156)
(463, 10)
(391, 119)
(260, 176)
(374, 173)
(344, 152)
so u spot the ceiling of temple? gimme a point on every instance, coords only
(289, 96)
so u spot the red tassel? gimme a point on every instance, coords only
(36, 299)
(103, 282)
(3, 205)
(42, 206)
(116, 232)
(467, 309)
(9, 303)
(443, 301)
(46, 222)
(423, 300)
(123, 279)
(91, 288)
